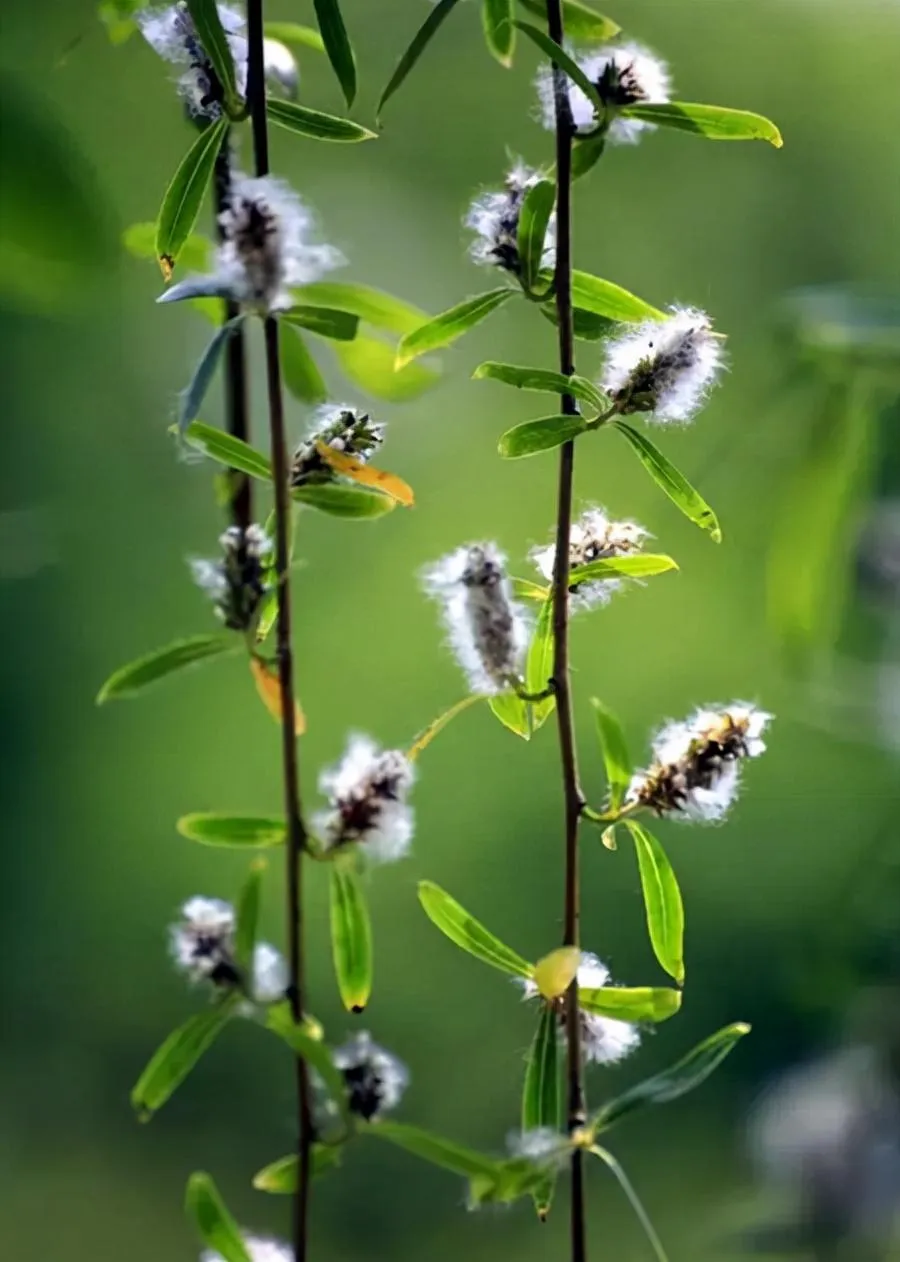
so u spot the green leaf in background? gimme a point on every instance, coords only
(208, 25)
(672, 481)
(677, 1080)
(314, 124)
(298, 368)
(640, 1213)
(434, 1148)
(541, 379)
(211, 828)
(351, 936)
(294, 34)
(381, 310)
(174, 1059)
(715, 122)
(634, 1003)
(586, 154)
(450, 325)
(662, 899)
(140, 241)
(424, 738)
(247, 922)
(420, 42)
(528, 590)
(532, 233)
(191, 400)
(314, 1052)
(466, 932)
(603, 298)
(615, 753)
(228, 450)
(544, 434)
(340, 326)
(129, 680)
(499, 31)
(184, 196)
(582, 23)
(512, 712)
(561, 58)
(214, 1223)
(539, 665)
(337, 46)
(370, 364)
(343, 501)
(279, 1178)
(542, 1102)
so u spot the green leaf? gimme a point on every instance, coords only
(637, 1003)
(637, 565)
(539, 665)
(228, 450)
(315, 124)
(581, 22)
(450, 325)
(294, 33)
(511, 1180)
(300, 371)
(343, 501)
(533, 220)
(328, 322)
(662, 899)
(337, 46)
(544, 434)
(530, 591)
(634, 1201)
(586, 154)
(672, 481)
(677, 1080)
(456, 924)
(381, 310)
(248, 914)
(541, 379)
(213, 1221)
(369, 363)
(137, 675)
(615, 753)
(561, 58)
(351, 937)
(208, 25)
(512, 712)
(420, 42)
(280, 1177)
(314, 1052)
(603, 298)
(425, 737)
(140, 241)
(445, 1153)
(211, 828)
(499, 31)
(174, 1059)
(715, 122)
(587, 326)
(542, 1102)
(192, 399)
(184, 196)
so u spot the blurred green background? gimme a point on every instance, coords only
(789, 906)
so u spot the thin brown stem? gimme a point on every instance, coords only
(573, 797)
(296, 839)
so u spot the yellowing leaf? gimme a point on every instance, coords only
(556, 971)
(268, 686)
(358, 471)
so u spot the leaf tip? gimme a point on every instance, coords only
(357, 1008)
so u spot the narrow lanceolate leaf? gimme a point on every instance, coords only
(543, 380)
(450, 325)
(298, 368)
(381, 310)
(586, 154)
(672, 481)
(603, 298)
(211, 828)
(513, 713)
(615, 753)
(677, 1080)
(715, 122)
(191, 400)
(268, 685)
(247, 920)
(228, 450)
(637, 1003)
(539, 665)
(214, 1223)
(544, 434)
(337, 46)
(420, 42)
(499, 31)
(640, 565)
(279, 1178)
(184, 196)
(445, 1153)
(343, 501)
(338, 326)
(295, 34)
(456, 924)
(533, 220)
(566, 63)
(208, 25)
(351, 937)
(634, 1201)
(554, 973)
(367, 475)
(369, 362)
(129, 680)
(424, 739)
(314, 1052)
(530, 591)
(174, 1059)
(315, 124)
(662, 899)
(542, 1094)
(581, 22)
